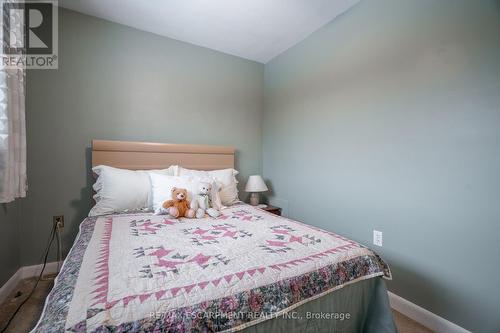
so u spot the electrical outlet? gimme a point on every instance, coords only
(377, 237)
(58, 220)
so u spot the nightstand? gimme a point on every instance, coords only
(272, 209)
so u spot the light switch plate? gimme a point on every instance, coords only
(377, 237)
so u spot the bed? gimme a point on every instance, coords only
(246, 270)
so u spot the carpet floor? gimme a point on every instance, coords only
(28, 316)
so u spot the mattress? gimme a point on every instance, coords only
(142, 272)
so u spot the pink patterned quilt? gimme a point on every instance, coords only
(151, 273)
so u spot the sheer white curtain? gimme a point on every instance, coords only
(12, 133)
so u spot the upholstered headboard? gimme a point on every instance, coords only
(148, 155)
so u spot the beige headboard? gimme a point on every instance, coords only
(147, 155)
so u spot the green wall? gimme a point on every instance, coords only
(9, 241)
(388, 118)
(119, 83)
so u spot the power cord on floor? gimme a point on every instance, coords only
(59, 255)
(53, 233)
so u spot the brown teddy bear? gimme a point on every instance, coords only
(179, 206)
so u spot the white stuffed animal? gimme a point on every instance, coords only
(202, 202)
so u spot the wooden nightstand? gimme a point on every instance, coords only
(272, 209)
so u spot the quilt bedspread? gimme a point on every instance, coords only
(139, 272)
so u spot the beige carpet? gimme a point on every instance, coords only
(28, 316)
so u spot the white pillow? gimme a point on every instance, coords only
(122, 190)
(162, 185)
(225, 177)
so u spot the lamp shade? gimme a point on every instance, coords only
(255, 183)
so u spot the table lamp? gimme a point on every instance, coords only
(255, 185)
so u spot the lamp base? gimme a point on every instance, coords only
(254, 199)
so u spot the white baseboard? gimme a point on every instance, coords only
(423, 316)
(24, 273)
(32, 271)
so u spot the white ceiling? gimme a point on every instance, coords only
(253, 29)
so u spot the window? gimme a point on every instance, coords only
(12, 133)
